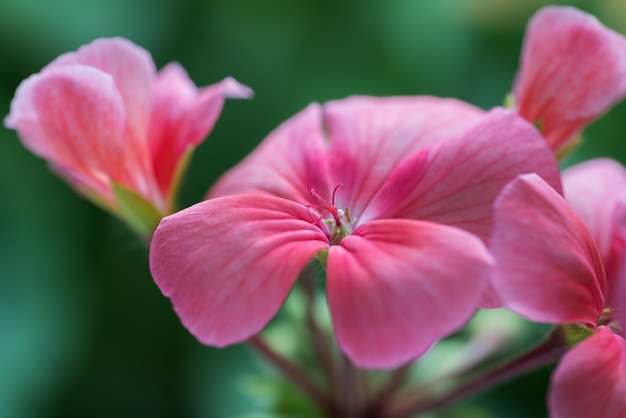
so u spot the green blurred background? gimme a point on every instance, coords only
(84, 332)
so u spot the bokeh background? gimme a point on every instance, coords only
(84, 332)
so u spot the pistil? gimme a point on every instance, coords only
(338, 226)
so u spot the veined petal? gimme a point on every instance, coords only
(370, 136)
(94, 186)
(133, 73)
(595, 189)
(202, 113)
(290, 162)
(132, 70)
(397, 286)
(182, 116)
(590, 380)
(548, 269)
(227, 264)
(456, 180)
(74, 117)
(572, 70)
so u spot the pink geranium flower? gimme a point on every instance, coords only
(549, 269)
(115, 129)
(572, 70)
(384, 192)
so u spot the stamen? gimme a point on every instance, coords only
(348, 217)
(332, 198)
(606, 318)
(329, 208)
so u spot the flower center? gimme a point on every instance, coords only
(336, 223)
(608, 319)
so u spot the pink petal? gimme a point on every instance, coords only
(89, 184)
(456, 180)
(74, 117)
(182, 117)
(573, 69)
(595, 189)
(206, 108)
(227, 264)
(290, 162)
(397, 286)
(370, 136)
(590, 380)
(132, 70)
(548, 268)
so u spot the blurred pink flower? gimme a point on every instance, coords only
(549, 269)
(572, 70)
(112, 127)
(384, 192)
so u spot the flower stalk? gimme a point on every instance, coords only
(418, 401)
(291, 371)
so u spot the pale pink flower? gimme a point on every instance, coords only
(384, 192)
(549, 269)
(113, 127)
(572, 70)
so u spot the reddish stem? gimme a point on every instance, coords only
(547, 352)
(320, 344)
(294, 374)
(384, 394)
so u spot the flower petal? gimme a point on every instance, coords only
(397, 286)
(290, 162)
(74, 117)
(205, 109)
(548, 267)
(370, 136)
(590, 380)
(132, 70)
(227, 264)
(182, 117)
(595, 189)
(90, 185)
(572, 70)
(456, 180)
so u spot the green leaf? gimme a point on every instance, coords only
(97, 200)
(139, 214)
(509, 101)
(575, 333)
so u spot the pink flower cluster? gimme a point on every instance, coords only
(420, 209)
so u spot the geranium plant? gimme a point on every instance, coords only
(370, 229)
